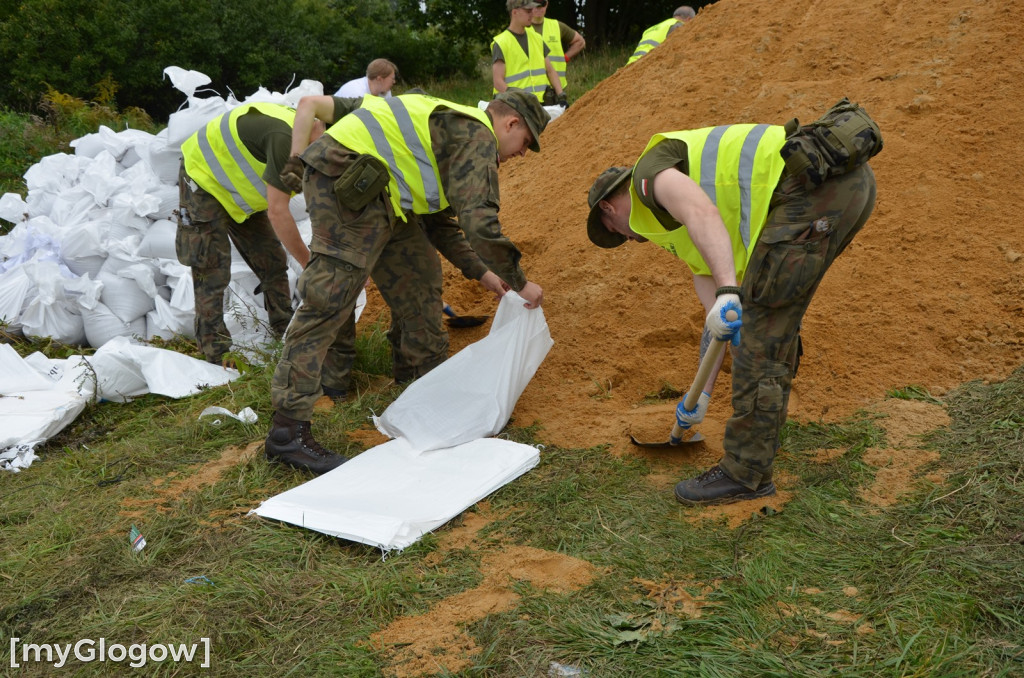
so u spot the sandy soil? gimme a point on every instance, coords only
(930, 293)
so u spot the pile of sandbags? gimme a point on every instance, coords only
(91, 256)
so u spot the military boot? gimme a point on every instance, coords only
(291, 442)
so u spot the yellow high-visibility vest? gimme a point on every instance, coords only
(218, 161)
(522, 70)
(397, 132)
(551, 34)
(652, 37)
(738, 167)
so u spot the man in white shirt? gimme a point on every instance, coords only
(380, 78)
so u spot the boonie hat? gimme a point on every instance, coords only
(604, 185)
(520, 4)
(528, 106)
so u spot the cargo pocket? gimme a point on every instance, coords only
(191, 245)
(788, 264)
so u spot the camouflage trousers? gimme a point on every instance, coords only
(348, 247)
(203, 242)
(803, 235)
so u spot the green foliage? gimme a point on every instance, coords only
(120, 48)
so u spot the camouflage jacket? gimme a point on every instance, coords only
(467, 159)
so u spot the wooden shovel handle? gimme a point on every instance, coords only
(700, 380)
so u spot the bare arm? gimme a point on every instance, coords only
(576, 46)
(310, 108)
(498, 76)
(284, 225)
(681, 197)
(552, 76)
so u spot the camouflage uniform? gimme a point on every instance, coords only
(202, 243)
(348, 246)
(803, 235)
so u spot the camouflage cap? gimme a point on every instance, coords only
(528, 106)
(520, 4)
(604, 185)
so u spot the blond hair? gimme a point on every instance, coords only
(380, 68)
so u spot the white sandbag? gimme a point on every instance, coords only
(124, 298)
(185, 80)
(56, 310)
(304, 88)
(99, 179)
(38, 409)
(126, 370)
(71, 208)
(40, 202)
(185, 122)
(15, 288)
(54, 173)
(32, 239)
(89, 146)
(158, 242)
(296, 205)
(471, 395)
(391, 495)
(164, 161)
(167, 201)
(166, 321)
(14, 209)
(56, 321)
(552, 111)
(101, 325)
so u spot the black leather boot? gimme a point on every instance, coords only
(291, 442)
(714, 487)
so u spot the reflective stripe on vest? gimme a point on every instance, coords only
(397, 132)
(551, 34)
(652, 37)
(522, 70)
(218, 161)
(738, 167)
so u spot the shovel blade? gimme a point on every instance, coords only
(695, 438)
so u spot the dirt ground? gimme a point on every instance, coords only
(930, 293)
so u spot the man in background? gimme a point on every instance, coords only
(230, 191)
(380, 78)
(563, 42)
(519, 56)
(656, 34)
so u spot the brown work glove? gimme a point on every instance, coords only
(291, 174)
(562, 100)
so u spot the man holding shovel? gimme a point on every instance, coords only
(758, 236)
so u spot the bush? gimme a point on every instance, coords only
(119, 48)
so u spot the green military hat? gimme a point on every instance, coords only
(528, 106)
(520, 4)
(604, 185)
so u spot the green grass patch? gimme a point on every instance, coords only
(829, 585)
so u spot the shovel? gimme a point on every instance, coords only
(679, 435)
(461, 321)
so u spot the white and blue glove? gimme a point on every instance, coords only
(688, 418)
(716, 322)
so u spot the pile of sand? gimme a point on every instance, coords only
(930, 293)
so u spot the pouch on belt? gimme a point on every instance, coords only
(363, 181)
(838, 142)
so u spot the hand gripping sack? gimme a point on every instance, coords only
(840, 141)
